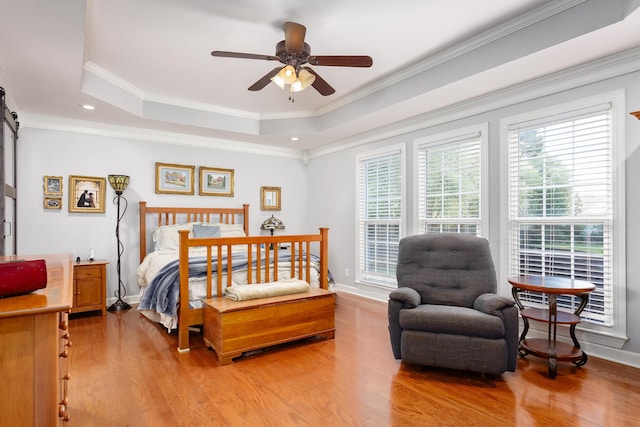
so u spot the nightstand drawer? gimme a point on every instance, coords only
(88, 272)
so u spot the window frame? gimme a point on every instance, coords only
(616, 334)
(400, 150)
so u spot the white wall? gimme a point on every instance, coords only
(42, 152)
(334, 193)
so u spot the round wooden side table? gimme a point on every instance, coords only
(549, 348)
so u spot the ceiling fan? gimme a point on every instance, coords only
(294, 53)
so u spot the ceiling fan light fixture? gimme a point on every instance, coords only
(306, 78)
(277, 80)
(288, 74)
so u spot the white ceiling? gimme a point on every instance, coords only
(146, 64)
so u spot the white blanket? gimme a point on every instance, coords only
(264, 290)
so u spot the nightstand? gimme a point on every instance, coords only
(90, 286)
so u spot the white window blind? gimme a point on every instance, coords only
(380, 216)
(449, 185)
(560, 212)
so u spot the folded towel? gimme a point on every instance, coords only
(263, 290)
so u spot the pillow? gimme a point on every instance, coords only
(232, 230)
(167, 238)
(205, 231)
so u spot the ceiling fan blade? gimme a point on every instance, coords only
(341, 61)
(321, 84)
(265, 80)
(294, 36)
(224, 54)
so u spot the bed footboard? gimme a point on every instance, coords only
(263, 258)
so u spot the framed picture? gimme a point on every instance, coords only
(270, 200)
(87, 194)
(53, 202)
(53, 186)
(216, 182)
(174, 179)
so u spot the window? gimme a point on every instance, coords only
(451, 176)
(380, 215)
(562, 205)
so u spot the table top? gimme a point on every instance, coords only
(57, 296)
(552, 285)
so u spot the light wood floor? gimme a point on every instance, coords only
(126, 371)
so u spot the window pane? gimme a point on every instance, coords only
(449, 179)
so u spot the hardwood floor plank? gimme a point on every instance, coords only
(126, 371)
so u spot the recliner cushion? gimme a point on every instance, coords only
(442, 319)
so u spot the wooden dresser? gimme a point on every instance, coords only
(90, 286)
(34, 348)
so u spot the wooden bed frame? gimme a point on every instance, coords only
(297, 244)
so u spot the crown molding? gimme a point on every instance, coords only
(57, 124)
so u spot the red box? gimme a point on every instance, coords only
(22, 277)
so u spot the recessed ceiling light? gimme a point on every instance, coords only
(294, 138)
(88, 107)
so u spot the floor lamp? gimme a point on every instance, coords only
(119, 183)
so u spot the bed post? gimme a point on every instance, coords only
(245, 218)
(143, 230)
(183, 308)
(324, 261)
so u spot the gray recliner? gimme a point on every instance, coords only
(445, 312)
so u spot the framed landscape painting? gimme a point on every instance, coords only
(86, 194)
(216, 182)
(174, 179)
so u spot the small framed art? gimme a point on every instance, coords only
(174, 179)
(53, 202)
(216, 182)
(270, 198)
(53, 186)
(86, 194)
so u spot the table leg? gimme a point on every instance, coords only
(584, 299)
(553, 324)
(525, 321)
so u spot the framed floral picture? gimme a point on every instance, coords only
(174, 179)
(216, 182)
(87, 194)
(52, 186)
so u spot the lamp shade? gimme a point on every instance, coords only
(272, 223)
(304, 80)
(119, 182)
(286, 76)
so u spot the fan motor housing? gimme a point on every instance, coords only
(281, 51)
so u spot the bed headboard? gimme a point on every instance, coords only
(158, 216)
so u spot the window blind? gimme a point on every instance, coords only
(380, 216)
(449, 183)
(560, 211)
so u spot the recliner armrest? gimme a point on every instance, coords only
(409, 297)
(492, 304)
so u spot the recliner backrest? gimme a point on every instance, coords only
(446, 268)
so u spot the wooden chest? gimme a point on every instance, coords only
(234, 327)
